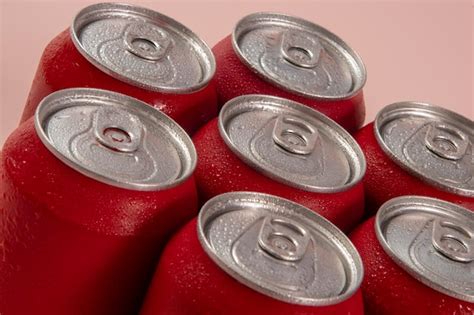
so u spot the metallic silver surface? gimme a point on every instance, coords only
(291, 143)
(143, 47)
(298, 56)
(279, 248)
(432, 240)
(115, 139)
(433, 143)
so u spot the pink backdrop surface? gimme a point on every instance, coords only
(413, 50)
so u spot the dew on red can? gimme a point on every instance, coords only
(253, 253)
(418, 254)
(134, 51)
(277, 146)
(417, 148)
(91, 189)
(289, 57)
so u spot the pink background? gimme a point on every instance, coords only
(413, 50)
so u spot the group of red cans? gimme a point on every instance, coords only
(278, 204)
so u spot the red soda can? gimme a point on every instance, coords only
(420, 149)
(253, 253)
(91, 188)
(289, 57)
(134, 51)
(276, 146)
(418, 256)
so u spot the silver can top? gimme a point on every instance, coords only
(115, 139)
(143, 48)
(433, 143)
(291, 143)
(279, 248)
(298, 56)
(432, 240)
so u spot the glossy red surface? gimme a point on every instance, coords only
(233, 78)
(62, 66)
(188, 282)
(389, 290)
(385, 180)
(219, 170)
(72, 245)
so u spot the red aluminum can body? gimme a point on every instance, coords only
(221, 170)
(187, 281)
(389, 289)
(235, 78)
(386, 179)
(75, 245)
(63, 66)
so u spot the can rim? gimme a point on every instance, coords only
(229, 111)
(95, 11)
(396, 206)
(407, 108)
(42, 113)
(357, 64)
(318, 221)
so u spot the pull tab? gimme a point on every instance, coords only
(146, 41)
(294, 135)
(117, 129)
(300, 49)
(446, 141)
(283, 239)
(453, 240)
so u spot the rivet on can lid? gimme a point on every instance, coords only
(432, 240)
(279, 248)
(143, 47)
(298, 56)
(291, 143)
(431, 142)
(115, 139)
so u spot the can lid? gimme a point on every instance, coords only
(430, 142)
(279, 248)
(115, 139)
(298, 56)
(143, 48)
(431, 239)
(291, 143)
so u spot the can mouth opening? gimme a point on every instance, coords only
(101, 11)
(311, 225)
(119, 129)
(458, 132)
(297, 144)
(302, 56)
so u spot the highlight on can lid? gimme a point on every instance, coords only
(431, 239)
(279, 248)
(291, 143)
(115, 139)
(298, 56)
(143, 47)
(431, 142)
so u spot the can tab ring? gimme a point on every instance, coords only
(446, 141)
(294, 135)
(300, 49)
(146, 41)
(283, 239)
(453, 240)
(117, 130)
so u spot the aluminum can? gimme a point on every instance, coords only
(285, 56)
(134, 51)
(276, 146)
(418, 255)
(420, 149)
(253, 253)
(91, 189)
